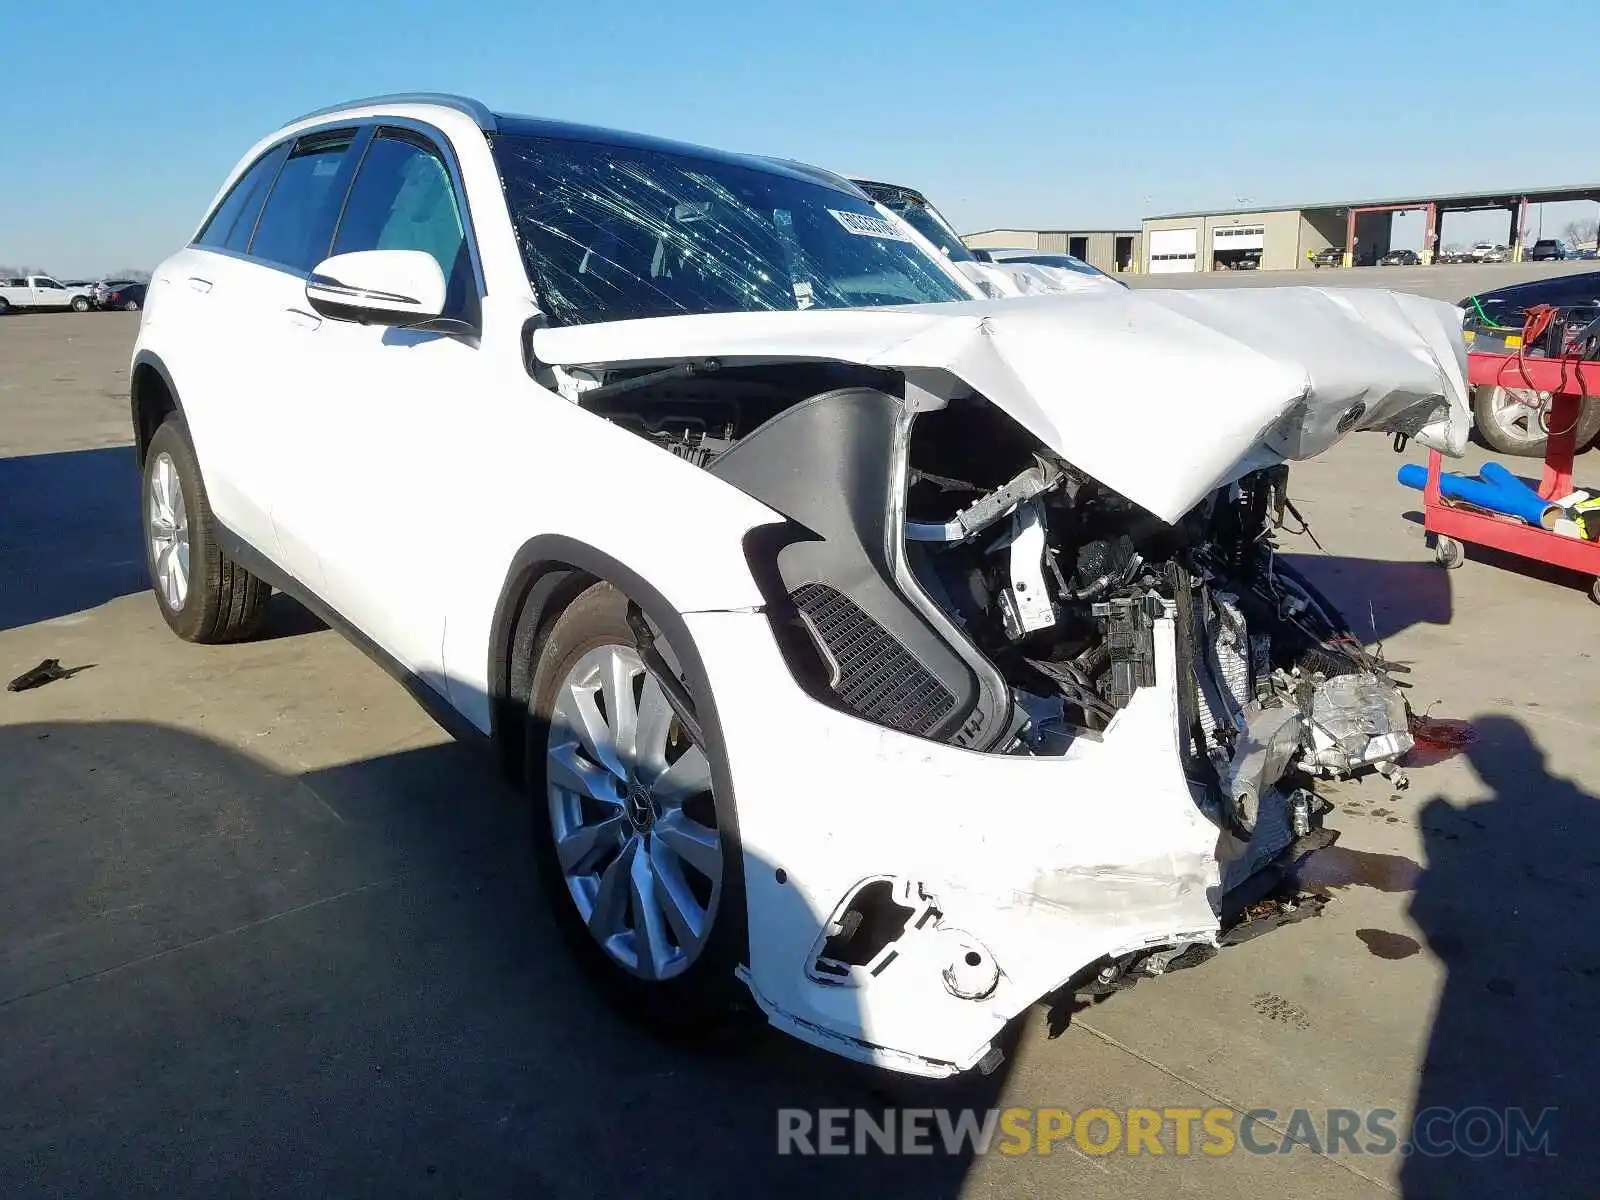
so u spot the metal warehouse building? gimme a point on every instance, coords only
(1281, 238)
(1112, 250)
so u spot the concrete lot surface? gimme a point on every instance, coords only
(266, 931)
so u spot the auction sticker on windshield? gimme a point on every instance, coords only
(868, 226)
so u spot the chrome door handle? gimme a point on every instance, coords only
(198, 284)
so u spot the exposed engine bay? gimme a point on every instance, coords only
(1058, 580)
(950, 577)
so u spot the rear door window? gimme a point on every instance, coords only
(234, 220)
(296, 224)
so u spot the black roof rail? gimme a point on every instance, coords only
(463, 104)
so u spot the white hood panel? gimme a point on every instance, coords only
(1160, 395)
(1030, 279)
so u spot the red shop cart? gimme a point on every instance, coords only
(1568, 381)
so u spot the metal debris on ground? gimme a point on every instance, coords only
(48, 671)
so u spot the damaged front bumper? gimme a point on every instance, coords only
(907, 899)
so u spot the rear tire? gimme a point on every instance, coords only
(5, 306)
(79, 304)
(621, 828)
(203, 595)
(131, 306)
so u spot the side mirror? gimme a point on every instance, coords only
(378, 287)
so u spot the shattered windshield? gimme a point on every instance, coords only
(610, 233)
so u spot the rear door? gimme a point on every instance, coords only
(375, 496)
(197, 288)
(261, 327)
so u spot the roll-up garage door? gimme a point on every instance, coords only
(1239, 237)
(1171, 251)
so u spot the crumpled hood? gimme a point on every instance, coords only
(1161, 395)
(1030, 279)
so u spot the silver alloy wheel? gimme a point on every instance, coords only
(631, 810)
(169, 532)
(1515, 421)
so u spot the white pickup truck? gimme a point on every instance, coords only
(40, 291)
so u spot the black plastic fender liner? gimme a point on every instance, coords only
(836, 465)
(145, 363)
(545, 575)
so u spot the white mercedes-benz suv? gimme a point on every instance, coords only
(891, 656)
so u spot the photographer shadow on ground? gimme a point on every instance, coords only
(219, 978)
(1506, 903)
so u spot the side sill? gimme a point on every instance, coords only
(428, 697)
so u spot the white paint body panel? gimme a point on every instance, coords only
(1050, 863)
(1216, 382)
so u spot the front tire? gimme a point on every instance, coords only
(203, 595)
(1510, 427)
(637, 851)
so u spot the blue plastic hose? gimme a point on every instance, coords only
(1520, 502)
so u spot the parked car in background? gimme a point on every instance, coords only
(1489, 252)
(1547, 250)
(41, 291)
(100, 291)
(129, 297)
(1588, 253)
(977, 269)
(1328, 256)
(1043, 258)
(1511, 420)
(1401, 258)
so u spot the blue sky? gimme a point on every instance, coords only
(120, 117)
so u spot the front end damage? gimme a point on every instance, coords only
(1024, 710)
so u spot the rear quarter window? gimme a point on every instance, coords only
(234, 220)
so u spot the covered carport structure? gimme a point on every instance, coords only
(1287, 236)
(1367, 223)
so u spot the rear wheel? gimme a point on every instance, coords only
(80, 304)
(130, 306)
(1510, 426)
(637, 853)
(203, 595)
(5, 306)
